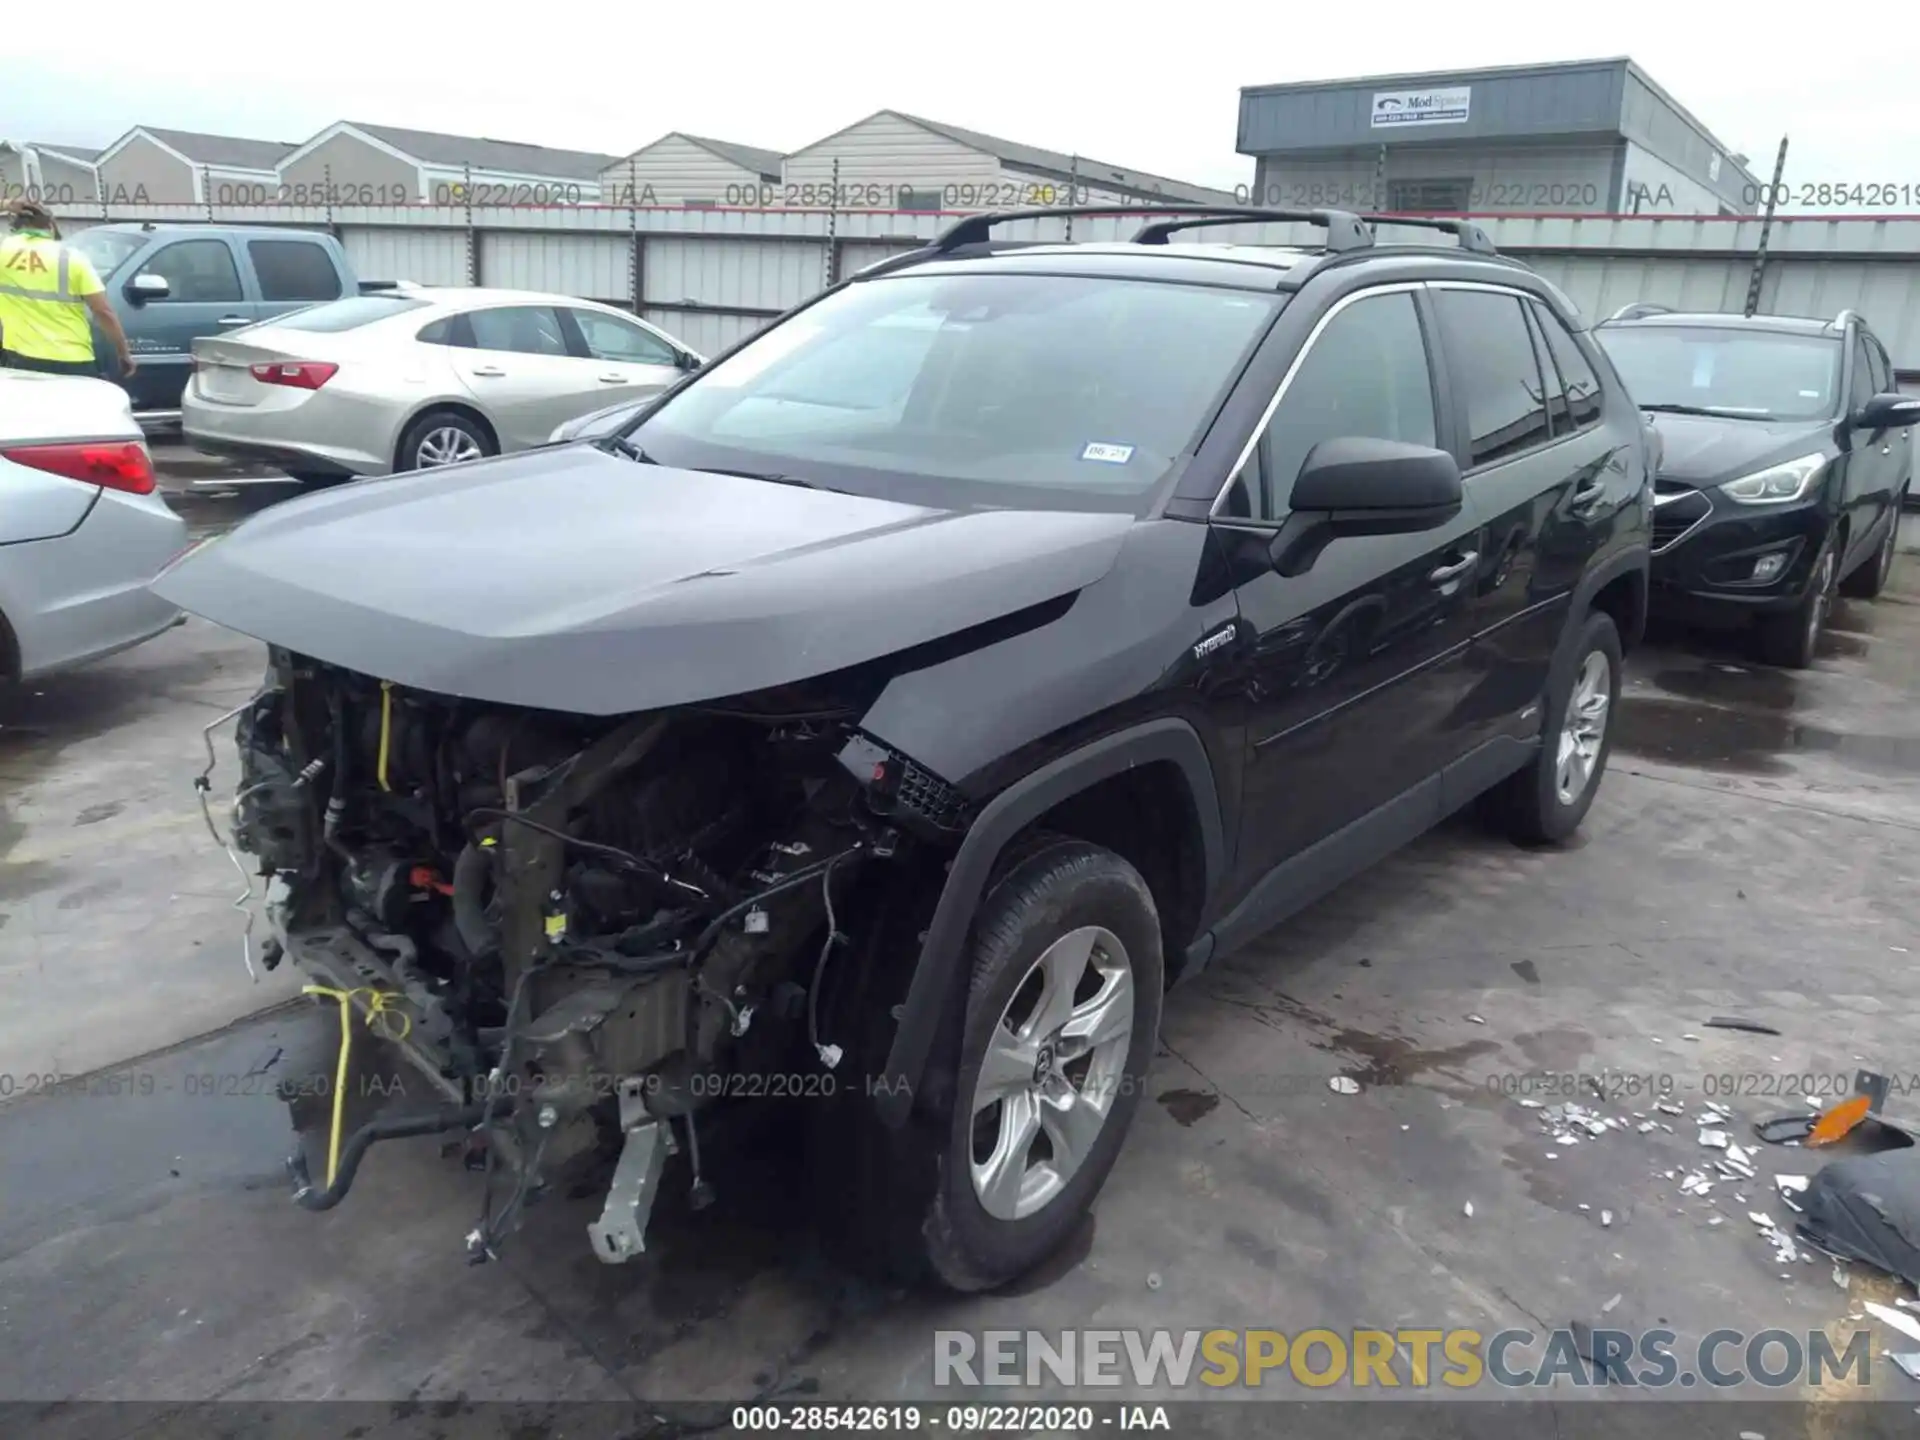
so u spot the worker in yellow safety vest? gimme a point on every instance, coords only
(47, 291)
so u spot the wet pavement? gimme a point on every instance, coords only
(1752, 852)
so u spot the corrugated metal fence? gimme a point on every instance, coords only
(711, 276)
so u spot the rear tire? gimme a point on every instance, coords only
(443, 437)
(1546, 801)
(1061, 1016)
(1869, 579)
(1789, 640)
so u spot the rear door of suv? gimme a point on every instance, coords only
(1547, 477)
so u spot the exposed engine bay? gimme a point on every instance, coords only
(582, 930)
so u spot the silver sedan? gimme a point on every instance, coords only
(83, 528)
(413, 377)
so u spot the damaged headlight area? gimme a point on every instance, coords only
(581, 930)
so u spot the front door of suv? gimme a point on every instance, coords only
(1357, 662)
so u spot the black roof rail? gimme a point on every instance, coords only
(1344, 229)
(1470, 235)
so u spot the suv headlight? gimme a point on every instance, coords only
(1777, 484)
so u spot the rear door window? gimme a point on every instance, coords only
(1576, 379)
(294, 270)
(520, 329)
(1491, 360)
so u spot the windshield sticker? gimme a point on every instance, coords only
(1107, 454)
(1702, 369)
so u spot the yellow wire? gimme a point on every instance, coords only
(386, 729)
(391, 1025)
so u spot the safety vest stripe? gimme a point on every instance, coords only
(61, 298)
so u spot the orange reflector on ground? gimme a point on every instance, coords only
(1835, 1123)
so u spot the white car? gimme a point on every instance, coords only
(83, 527)
(412, 377)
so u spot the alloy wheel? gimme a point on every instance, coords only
(1053, 1068)
(1584, 730)
(448, 445)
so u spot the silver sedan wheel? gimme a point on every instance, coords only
(1055, 1064)
(1585, 728)
(447, 445)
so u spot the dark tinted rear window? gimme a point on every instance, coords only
(350, 313)
(293, 270)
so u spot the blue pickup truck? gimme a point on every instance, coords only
(173, 284)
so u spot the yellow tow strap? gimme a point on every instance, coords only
(383, 1020)
(386, 729)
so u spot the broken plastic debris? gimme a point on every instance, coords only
(1909, 1362)
(1716, 1220)
(1645, 1125)
(1739, 1155)
(1668, 1107)
(1765, 1222)
(1887, 1315)
(1468, 1210)
(1794, 1183)
(1606, 1217)
(1531, 1104)
(1840, 1275)
(1553, 1155)
(1714, 1139)
(1563, 1138)
(1610, 1304)
(1344, 1085)
(1689, 1036)
(1475, 1020)
(1585, 1206)
(1153, 1280)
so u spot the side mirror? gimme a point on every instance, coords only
(690, 361)
(1351, 486)
(1377, 487)
(144, 287)
(1889, 411)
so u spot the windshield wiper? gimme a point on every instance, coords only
(622, 446)
(768, 476)
(1710, 411)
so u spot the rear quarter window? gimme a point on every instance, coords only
(350, 313)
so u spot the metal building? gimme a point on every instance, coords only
(1583, 137)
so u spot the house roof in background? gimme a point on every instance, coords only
(509, 156)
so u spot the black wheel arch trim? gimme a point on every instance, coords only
(1008, 813)
(1625, 562)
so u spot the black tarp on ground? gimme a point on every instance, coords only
(1867, 1207)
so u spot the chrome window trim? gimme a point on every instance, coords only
(1398, 287)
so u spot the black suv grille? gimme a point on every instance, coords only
(1678, 508)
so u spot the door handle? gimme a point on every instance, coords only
(1454, 571)
(490, 371)
(613, 379)
(234, 320)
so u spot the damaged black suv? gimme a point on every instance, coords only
(886, 715)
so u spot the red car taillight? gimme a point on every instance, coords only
(299, 374)
(116, 464)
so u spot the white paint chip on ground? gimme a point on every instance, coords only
(1344, 1085)
(1467, 1210)
(1887, 1315)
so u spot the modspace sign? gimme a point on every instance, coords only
(1393, 108)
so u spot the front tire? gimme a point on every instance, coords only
(1546, 801)
(1789, 640)
(1060, 1022)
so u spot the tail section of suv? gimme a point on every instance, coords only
(897, 704)
(1786, 454)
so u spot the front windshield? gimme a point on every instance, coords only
(106, 249)
(989, 389)
(1741, 373)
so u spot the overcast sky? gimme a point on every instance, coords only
(1149, 86)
